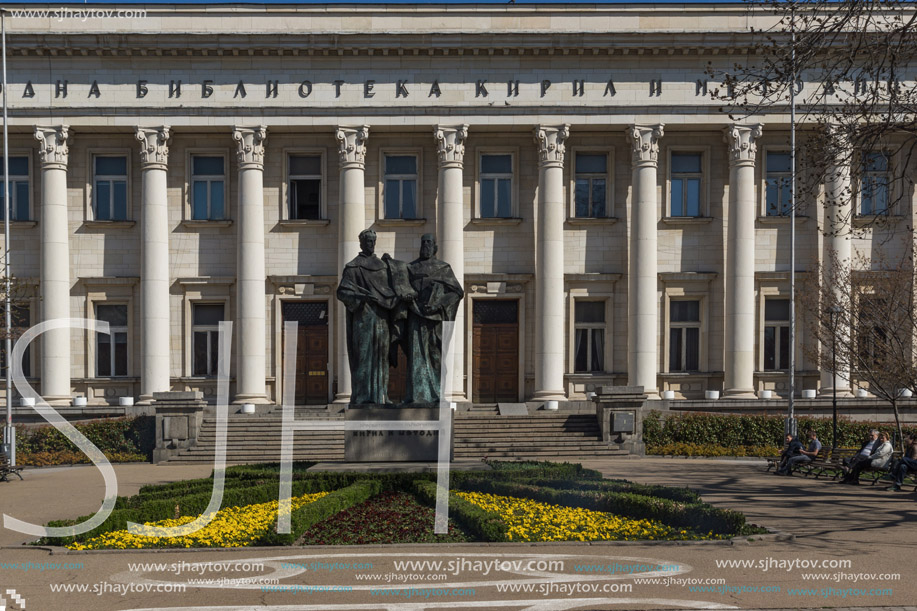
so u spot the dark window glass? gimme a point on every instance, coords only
(111, 166)
(305, 165)
(591, 164)
(497, 164)
(208, 314)
(400, 164)
(114, 315)
(305, 198)
(684, 311)
(686, 163)
(777, 309)
(589, 311)
(207, 166)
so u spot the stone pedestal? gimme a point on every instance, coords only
(178, 422)
(619, 411)
(399, 445)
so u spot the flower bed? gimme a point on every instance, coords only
(391, 517)
(515, 502)
(230, 527)
(530, 520)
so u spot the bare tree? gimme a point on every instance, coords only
(850, 64)
(865, 325)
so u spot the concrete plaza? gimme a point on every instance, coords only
(832, 524)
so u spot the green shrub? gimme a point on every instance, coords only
(681, 495)
(709, 449)
(120, 439)
(748, 431)
(486, 525)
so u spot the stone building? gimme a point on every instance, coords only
(177, 166)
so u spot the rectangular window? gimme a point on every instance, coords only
(109, 188)
(591, 184)
(19, 189)
(874, 184)
(208, 182)
(776, 334)
(400, 186)
(589, 336)
(684, 335)
(304, 190)
(872, 337)
(20, 317)
(496, 186)
(778, 200)
(686, 181)
(111, 349)
(205, 337)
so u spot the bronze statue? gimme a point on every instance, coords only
(391, 303)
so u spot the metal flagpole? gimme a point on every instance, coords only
(789, 427)
(9, 432)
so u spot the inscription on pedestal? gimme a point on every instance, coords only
(407, 445)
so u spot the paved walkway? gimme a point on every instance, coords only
(859, 538)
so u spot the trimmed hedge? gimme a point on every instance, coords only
(120, 439)
(679, 495)
(484, 524)
(507, 470)
(698, 516)
(311, 513)
(734, 430)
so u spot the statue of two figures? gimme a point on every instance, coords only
(392, 303)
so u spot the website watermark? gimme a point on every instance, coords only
(66, 13)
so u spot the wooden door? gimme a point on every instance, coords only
(311, 350)
(495, 351)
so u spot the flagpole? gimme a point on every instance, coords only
(9, 432)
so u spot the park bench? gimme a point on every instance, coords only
(6, 469)
(774, 461)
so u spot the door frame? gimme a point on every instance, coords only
(469, 339)
(278, 341)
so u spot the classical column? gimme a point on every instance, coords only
(155, 331)
(642, 299)
(549, 264)
(836, 253)
(352, 220)
(739, 379)
(55, 263)
(450, 144)
(250, 274)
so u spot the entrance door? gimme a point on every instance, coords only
(311, 349)
(495, 351)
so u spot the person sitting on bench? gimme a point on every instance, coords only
(805, 455)
(792, 449)
(878, 459)
(864, 452)
(907, 463)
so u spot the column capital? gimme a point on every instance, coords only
(450, 144)
(53, 151)
(352, 145)
(644, 141)
(550, 140)
(742, 143)
(250, 153)
(154, 147)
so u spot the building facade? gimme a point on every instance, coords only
(181, 166)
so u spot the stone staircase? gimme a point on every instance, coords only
(479, 432)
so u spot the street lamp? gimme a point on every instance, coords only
(833, 312)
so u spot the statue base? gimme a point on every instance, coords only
(394, 445)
